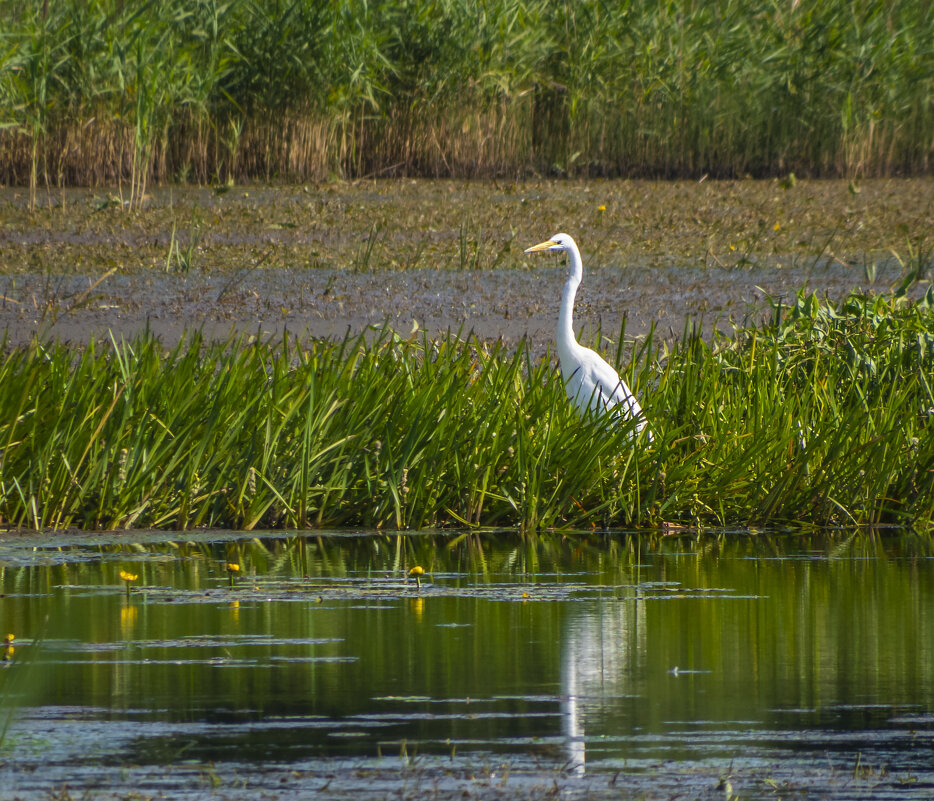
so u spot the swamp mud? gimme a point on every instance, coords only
(446, 255)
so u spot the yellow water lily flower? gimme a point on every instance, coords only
(128, 578)
(416, 573)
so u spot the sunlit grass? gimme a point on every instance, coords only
(823, 415)
(106, 92)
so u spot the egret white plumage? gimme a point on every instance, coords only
(591, 383)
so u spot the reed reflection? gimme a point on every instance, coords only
(564, 644)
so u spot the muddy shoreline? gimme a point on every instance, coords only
(443, 255)
(508, 304)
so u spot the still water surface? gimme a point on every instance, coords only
(585, 666)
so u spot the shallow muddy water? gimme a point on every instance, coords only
(584, 666)
(503, 304)
(325, 260)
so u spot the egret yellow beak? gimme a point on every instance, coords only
(541, 246)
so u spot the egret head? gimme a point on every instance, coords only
(557, 242)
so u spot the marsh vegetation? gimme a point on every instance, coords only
(818, 414)
(110, 93)
(285, 657)
(822, 415)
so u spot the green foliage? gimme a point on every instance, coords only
(107, 89)
(823, 415)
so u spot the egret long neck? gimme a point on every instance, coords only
(566, 340)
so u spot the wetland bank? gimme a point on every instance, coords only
(329, 258)
(543, 661)
(795, 408)
(290, 358)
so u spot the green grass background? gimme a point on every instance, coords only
(822, 416)
(101, 91)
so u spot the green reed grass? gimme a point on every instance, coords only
(823, 415)
(96, 91)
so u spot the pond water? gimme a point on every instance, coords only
(578, 666)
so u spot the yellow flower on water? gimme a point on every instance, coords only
(128, 578)
(416, 573)
(525, 595)
(233, 567)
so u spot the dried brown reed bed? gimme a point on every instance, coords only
(293, 147)
(503, 141)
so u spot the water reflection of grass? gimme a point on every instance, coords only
(822, 416)
(847, 608)
(325, 572)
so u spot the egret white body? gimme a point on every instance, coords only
(591, 383)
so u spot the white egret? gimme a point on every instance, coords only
(591, 383)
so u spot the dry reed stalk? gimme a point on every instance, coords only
(504, 137)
